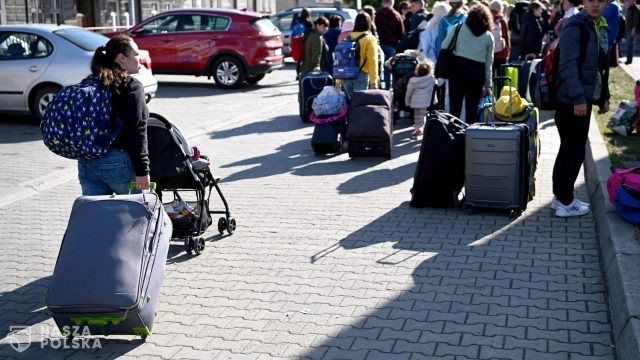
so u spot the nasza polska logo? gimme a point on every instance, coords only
(76, 337)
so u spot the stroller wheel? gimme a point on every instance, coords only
(231, 226)
(188, 245)
(222, 225)
(198, 245)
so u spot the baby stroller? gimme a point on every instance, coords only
(402, 69)
(176, 167)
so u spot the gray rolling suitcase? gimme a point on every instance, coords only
(111, 265)
(496, 167)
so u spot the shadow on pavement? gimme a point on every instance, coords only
(17, 129)
(477, 282)
(281, 124)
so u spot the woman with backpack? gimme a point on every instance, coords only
(368, 44)
(472, 62)
(501, 38)
(128, 158)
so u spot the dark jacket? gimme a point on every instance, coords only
(131, 107)
(633, 17)
(577, 85)
(417, 18)
(315, 52)
(389, 25)
(331, 39)
(531, 34)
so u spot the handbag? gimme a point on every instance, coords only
(629, 177)
(444, 65)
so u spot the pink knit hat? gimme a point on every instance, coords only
(348, 25)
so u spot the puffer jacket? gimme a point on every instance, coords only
(577, 86)
(419, 91)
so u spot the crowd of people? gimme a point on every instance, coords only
(484, 36)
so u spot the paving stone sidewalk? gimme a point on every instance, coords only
(330, 262)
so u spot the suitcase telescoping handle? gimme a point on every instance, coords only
(504, 79)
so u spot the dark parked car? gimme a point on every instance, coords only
(234, 47)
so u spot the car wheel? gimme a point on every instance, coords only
(228, 72)
(252, 79)
(41, 99)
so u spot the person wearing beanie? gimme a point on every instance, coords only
(501, 38)
(347, 28)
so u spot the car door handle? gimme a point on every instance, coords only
(168, 40)
(34, 68)
(286, 36)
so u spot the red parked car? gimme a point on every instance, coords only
(235, 47)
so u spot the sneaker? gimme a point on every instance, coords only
(571, 210)
(555, 202)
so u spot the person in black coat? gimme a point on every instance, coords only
(331, 39)
(532, 31)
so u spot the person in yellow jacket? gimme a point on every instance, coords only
(368, 78)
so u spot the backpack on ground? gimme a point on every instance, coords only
(544, 91)
(297, 47)
(346, 63)
(499, 42)
(77, 123)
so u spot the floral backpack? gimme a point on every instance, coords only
(77, 123)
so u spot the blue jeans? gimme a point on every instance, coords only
(107, 175)
(389, 52)
(630, 42)
(358, 84)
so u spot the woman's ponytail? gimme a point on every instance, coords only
(104, 62)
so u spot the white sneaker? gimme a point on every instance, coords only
(555, 202)
(576, 208)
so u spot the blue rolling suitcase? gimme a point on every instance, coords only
(110, 266)
(311, 84)
(328, 137)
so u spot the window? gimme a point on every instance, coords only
(283, 22)
(16, 46)
(222, 23)
(190, 23)
(84, 39)
(161, 25)
(55, 12)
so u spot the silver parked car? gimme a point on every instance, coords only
(37, 60)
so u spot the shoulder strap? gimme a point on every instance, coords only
(454, 41)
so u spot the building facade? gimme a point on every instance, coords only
(110, 13)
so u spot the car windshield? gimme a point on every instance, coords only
(265, 24)
(84, 39)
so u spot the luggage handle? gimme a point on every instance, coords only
(436, 86)
(133, 186)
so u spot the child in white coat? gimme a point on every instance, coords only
(418, 96)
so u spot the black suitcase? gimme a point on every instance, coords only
(497, 168)
(310, 85)
(370, 127)
(327, 137)
(439, 174)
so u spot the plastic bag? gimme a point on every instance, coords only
(510, 102)
(330, 101)
(624, 119)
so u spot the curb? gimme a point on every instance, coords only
(620, 250)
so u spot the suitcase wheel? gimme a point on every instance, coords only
(143, 337)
